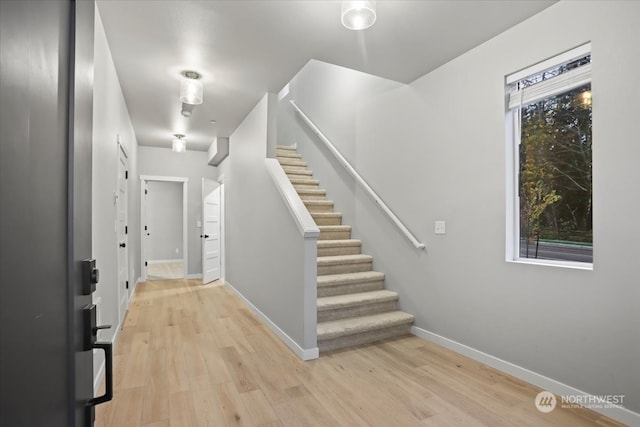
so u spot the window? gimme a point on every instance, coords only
(550, 162)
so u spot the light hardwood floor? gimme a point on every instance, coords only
(194, 355)
(165, 270)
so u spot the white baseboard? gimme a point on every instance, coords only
(617, 413)
(304, 354)
(194, 276)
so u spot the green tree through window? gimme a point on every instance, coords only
(554, 170)
(556, 188)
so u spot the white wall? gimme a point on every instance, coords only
(192, 165)
(164, 220)
(435, 150)
(330, 96)
(110, 122)
(264, 248)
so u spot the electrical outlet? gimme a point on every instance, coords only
(440, 227)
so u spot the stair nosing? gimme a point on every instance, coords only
(344, 259)
(349, 278)
(339, 243)
(342, 227)
(327, 214)
(313, 190)
(317, 202)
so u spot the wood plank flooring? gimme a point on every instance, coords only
(193, 355)
(165, 270)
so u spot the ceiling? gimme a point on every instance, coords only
(243, 49)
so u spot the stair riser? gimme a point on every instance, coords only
(280, 154)
(305, 181)
(311, 196)
(350, 288)
(312, 207)
(335, 235)
(297, 169)
(364, 338)
(305, 186)
(361, 310)
(327, 220)
(344, 268)
(297, 176)
(339, 250)
(292, 162)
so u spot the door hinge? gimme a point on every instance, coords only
(146, 264)
(126, 174)
(145, 228)
(127, 284)
(146, 191)
(126, 230)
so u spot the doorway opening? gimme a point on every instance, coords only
(163, 219)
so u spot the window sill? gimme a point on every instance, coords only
(554, 263)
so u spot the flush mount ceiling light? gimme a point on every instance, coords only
(179, 145)
(358, 15)
(191, 88)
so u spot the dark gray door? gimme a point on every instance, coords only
(46, 57)
(81, 143)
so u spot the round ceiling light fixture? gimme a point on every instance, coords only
(191, 88)
(179, 145)
(358, 15)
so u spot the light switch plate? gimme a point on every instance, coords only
(198, 224)
(440, 227)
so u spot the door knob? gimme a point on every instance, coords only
(123, 245)
(206, 236)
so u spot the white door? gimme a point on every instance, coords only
(210, 230)
(122, 231)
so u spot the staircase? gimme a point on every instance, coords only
(353, 306)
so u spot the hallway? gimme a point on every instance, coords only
(193, 355)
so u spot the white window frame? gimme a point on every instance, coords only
(561, 83)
